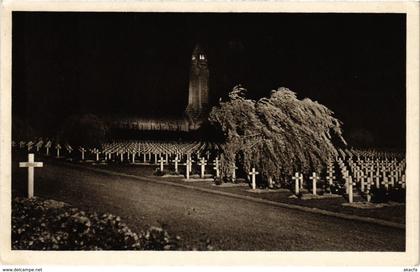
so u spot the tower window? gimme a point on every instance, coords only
(193, 57)
(201, 56)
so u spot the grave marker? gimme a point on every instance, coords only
(30, 145)
(298, 178)
(202, 164)
(58, 147)
(30, 164)
(161, 161)
(82, 150)
(48, 146)
(350, 188)
(216, 167)
(253, 173)
(176, 161)
(39, 145)
(386, 182)
(314, 179)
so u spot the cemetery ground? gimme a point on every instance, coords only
(225, 222)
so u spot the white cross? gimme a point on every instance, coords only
(39, 145)
(187, 169)
(393, 176)
(330, 178)
(190, 161)
(58, 147)
(314, 179)
(350, 185)
(216, 166)
(96, 151)
(29, 145)
(203, 164)
(362, 181)
(253, 174)
(298, 178)
(48, 146)
(69, 148)
(161, 161)
(176, 161)
(369, 183)
(30, 164)
(377, 177)
(386, 182)
(402, 181)
(82, 150)
(21, 144)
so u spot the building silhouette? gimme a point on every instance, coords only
(196, 110)
(198, 91)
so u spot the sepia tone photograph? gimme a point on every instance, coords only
(208, 131)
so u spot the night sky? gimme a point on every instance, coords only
(137, 64)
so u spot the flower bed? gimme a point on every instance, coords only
(39, 224)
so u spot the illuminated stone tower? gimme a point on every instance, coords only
(198, 95)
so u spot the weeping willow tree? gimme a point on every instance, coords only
(277, 135)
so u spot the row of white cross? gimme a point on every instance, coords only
(361, 172)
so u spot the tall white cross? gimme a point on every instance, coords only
(402, 181)
(187, 169)
(369, 183)
(48, 146)
(377, 178)
(203, 164)
(314, 179)
(253, 173)
(39, 145)
(176, 161)
(30, 164)
(21, 144)
(350, 185)
(58, 147)
(298, 178)
(161, 161)
(29, 145)
(216, 166)
(96, 152)
(82, 150)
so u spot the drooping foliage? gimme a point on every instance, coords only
(276, 135)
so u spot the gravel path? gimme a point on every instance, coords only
(230, 224)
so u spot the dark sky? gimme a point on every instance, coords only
(138, 64)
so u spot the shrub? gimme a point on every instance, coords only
(52, 225)
(277, 135)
